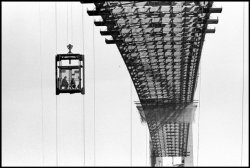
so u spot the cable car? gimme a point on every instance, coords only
(70, 73)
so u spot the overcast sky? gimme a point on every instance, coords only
(29, 100)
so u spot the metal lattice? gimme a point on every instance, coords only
(160, 43)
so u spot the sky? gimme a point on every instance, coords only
(40, 128)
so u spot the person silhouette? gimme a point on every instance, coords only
(65, 83)
(72, 83)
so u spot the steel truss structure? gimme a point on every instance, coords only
(161, 44)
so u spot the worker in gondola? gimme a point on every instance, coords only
(72, 83)
(65, 83)
(79, 86)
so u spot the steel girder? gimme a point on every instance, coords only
(160, 43)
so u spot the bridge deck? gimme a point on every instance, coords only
(160, 43)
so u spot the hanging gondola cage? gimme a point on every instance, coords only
(70, 73)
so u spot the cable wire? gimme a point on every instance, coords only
(41, 77)
(198, 136)
(67, 23)
(56, 86)
(146, 146)
(131, 124)
(71, 15)
(94, 91)
(83, 95)
(242, 112)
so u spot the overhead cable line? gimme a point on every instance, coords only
(41, 77)
(56, 96)
(94, 92)
(198, 141)
(242, 112)
(71, 21)
(83, 95)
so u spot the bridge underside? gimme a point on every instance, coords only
(160, 43)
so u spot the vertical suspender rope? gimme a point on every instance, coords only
(67, 23)
(198, 141)
(83, 97)
(146, 146)
(94, 86)
(40, 55)
(71, 21)
(131, 152)
(242, 112)
(56, 95)
(198, 136)
(56, 86)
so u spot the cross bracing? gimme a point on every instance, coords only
(160, 43)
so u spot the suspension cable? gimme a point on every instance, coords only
(83, 95)
(198, 136)
(94, 89)
(71, 15)
(131, 123)
(199, 104)
(242, 112)
(56, 86)
(67, 23)
(146, 146)
(41, 77)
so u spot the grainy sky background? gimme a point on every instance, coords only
(29, 100)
